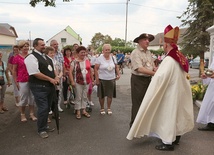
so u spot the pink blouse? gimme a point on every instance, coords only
(22, 74)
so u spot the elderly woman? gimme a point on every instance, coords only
(4, 81)
(106, 71)
(21, 77)
(80, 77)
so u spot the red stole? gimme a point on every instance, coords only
(180, 58)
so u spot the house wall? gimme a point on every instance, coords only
(157, 47)
(70, 40)
(6, 44)
(7, 40)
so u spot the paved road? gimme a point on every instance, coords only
(98, 135)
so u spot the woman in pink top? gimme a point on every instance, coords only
(21, 76)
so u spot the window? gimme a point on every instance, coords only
(63, 40)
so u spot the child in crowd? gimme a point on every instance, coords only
(90, 89)
(49, 51)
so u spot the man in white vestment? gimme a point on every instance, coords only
(166, 111)
(206, 112)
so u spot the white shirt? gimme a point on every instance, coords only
(106, 69)
(93, 60)
(31, 63)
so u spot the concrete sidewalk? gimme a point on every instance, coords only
(98, 135)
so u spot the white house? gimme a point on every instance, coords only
(8, 37)
(157, 43)
(66, 37)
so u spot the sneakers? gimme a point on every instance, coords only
(50, 112)
(60, 109)
(50, 129)
(43, 134)
(91, 103)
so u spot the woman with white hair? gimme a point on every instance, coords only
(106, 72)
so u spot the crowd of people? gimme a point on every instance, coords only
(46, 77)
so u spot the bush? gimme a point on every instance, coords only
(116, 48)
(198, 91)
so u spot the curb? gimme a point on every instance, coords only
(198, 103)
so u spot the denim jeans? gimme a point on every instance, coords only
(43, 97)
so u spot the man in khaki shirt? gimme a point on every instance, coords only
(143, 69)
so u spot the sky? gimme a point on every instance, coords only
(88, 17)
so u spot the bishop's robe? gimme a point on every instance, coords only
(167, 108)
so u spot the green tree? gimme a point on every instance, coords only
(51, 3)
(99, 39)
(118, 42)
(130, 44)
(199, 16)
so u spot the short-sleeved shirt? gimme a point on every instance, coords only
(106, 69)
(9, 57)
(22, 74)
(141, 58)
(10, 60)
(120, 57)
(32, 63)
(59, 57)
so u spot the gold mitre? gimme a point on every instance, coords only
(171, 34)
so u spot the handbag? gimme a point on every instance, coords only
(115, 67)
(2, 82)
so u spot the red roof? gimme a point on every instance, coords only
(8, 30)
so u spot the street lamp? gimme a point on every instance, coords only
(127, 2)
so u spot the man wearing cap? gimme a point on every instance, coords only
(143, 69)
(166, 111)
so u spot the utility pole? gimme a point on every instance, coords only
(127, 2)
(30, 40)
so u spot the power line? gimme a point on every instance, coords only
(65, 3)
(155, 8)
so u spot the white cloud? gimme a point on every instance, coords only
(88, 17)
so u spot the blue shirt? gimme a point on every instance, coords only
(120, 57)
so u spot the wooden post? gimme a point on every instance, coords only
(201, 67)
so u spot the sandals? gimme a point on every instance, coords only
(32, 117)
(1, 111)
(23, 118)
(4, 109)
(65, 102)
(102, 111)
(78, 116)
(49, 120)
(109, 112)
(86, 115)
